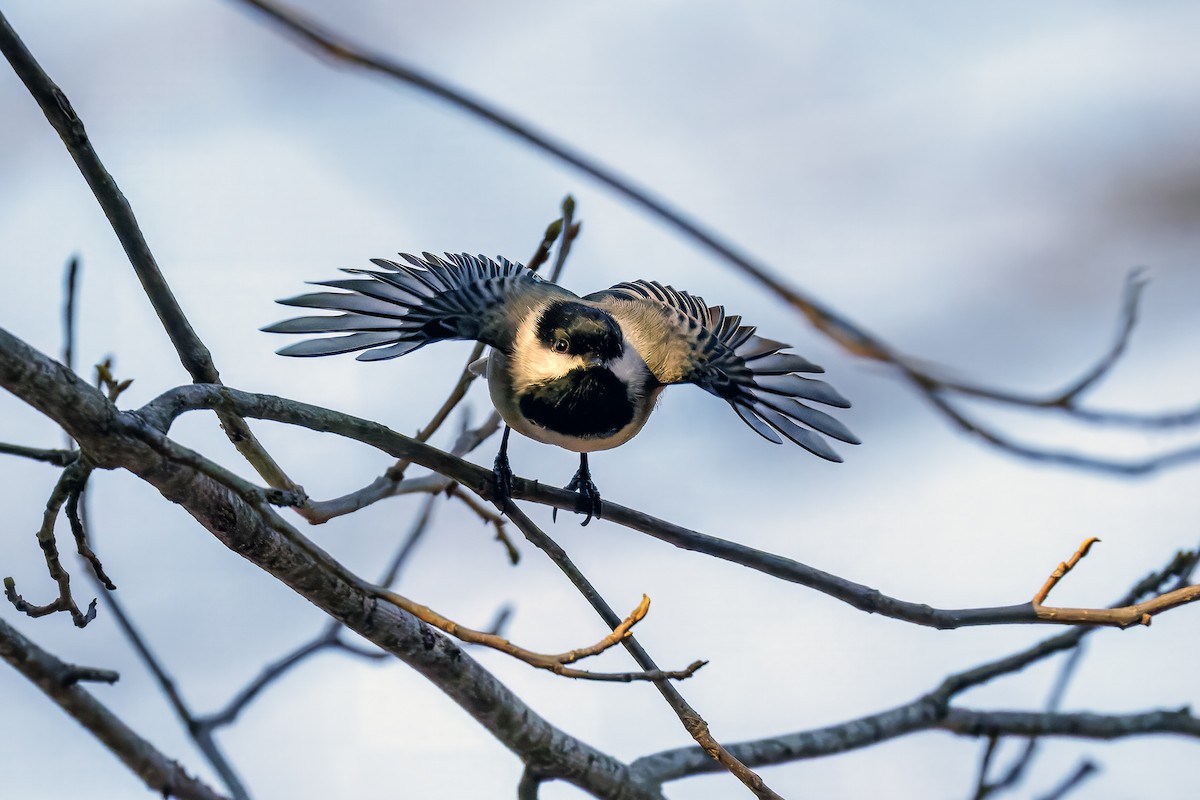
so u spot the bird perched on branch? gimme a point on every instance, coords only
(582, 373)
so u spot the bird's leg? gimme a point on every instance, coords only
(502, 476)
(588, 493)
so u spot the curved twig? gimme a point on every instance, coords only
(553, 663)
(66, 492)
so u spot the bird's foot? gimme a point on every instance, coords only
(589, 496)
(502, 478)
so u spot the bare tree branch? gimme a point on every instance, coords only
(969, 722)
(58, 681)
(693, 723)
(239, 517)
(193, 354)
(937, 387)
(1012, 776)
(933, 710)
(78, 514)
(254, 531)
(329, 637)
(159, 412)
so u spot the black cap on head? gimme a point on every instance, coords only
(581, 330)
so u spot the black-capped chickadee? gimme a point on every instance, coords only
(582, 373)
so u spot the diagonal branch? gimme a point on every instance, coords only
(253, 530)
(193, 354)
(159, 412)
(58, 681)
(1012, 776)
(202, 738)
(693, 723)
(328, 637)
(932, 710)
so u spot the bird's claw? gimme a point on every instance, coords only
(589, 495)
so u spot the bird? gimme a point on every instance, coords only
(582, 373)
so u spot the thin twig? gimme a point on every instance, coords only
(59, 458)
(270, 673)
(552, 663)
(81, 538)
(1062, 569)
(982, 787)
(489, 517)
(70, 290)
(542, 253)
(693, 723)
(1073, 781)
(78, 674)
(1135, 614)
(69, 484)
(570, 232)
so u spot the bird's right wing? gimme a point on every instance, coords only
(405, 306)
(683, 340)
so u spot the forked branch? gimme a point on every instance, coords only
(66, 492)
(1123, 617)
(553, 663)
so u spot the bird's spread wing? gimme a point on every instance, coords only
(685, 341)
(404, 306)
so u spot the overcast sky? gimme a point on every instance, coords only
(970, 183)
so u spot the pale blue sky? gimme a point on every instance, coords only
(970, 183)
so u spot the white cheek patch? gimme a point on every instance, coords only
(533, 362)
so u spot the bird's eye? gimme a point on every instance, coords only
(561, 345)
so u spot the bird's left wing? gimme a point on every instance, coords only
(683, 340)
(405, 306)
